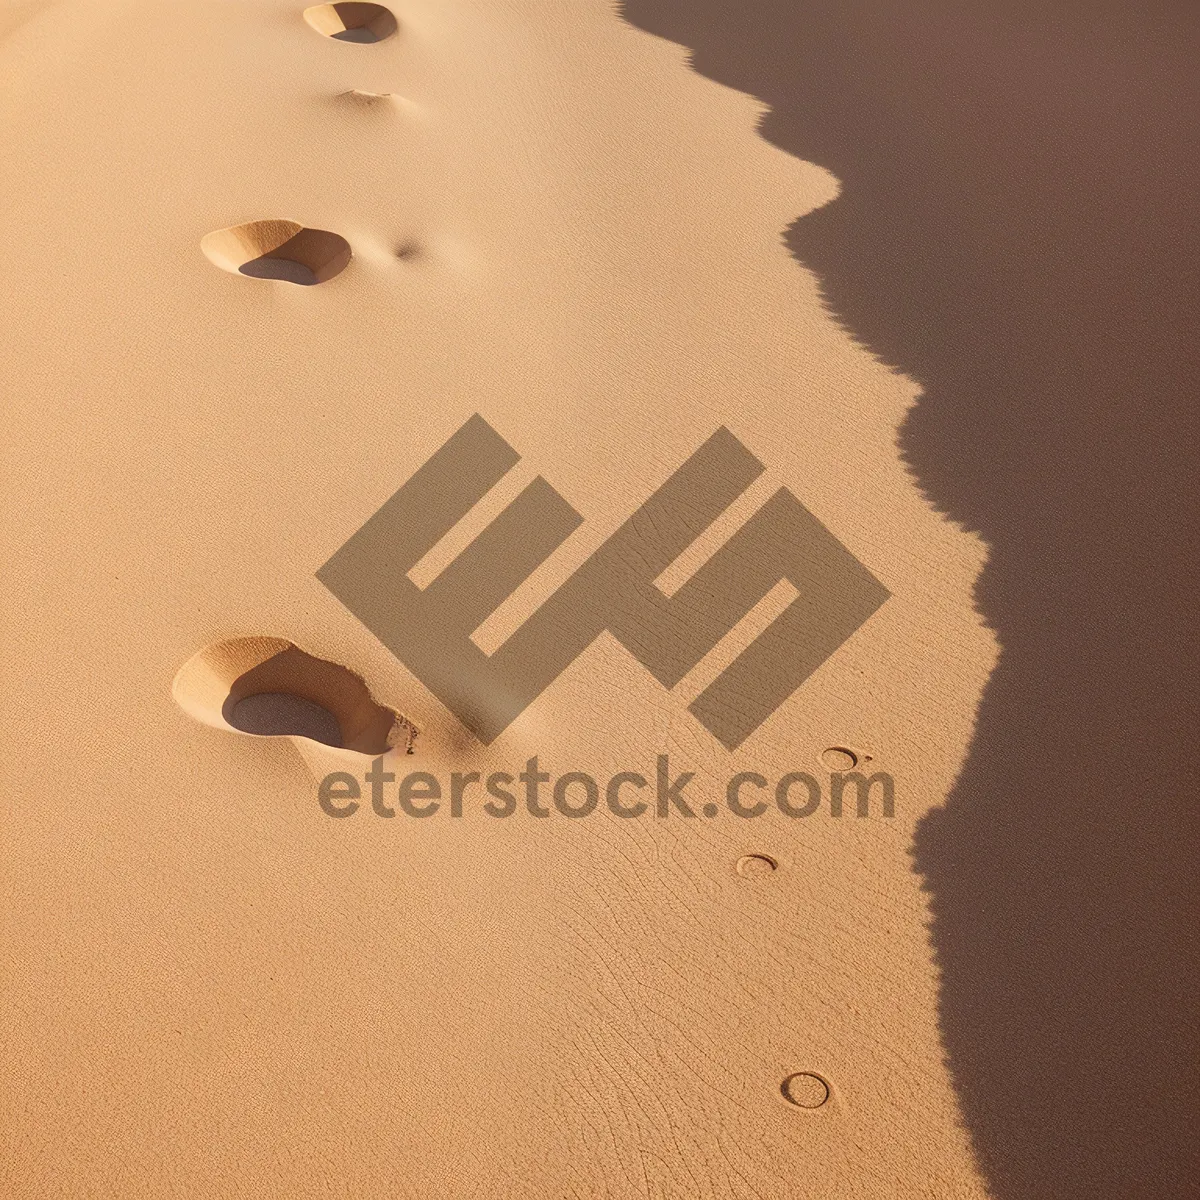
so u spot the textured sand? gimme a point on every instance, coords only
(211, 988)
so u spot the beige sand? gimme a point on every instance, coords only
(211, 988)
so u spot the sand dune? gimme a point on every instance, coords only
(264, 262)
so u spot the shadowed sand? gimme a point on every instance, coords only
(1017, 231)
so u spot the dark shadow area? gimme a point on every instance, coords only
(352, 22)
(308, 257)
(269, 267)
(278, 714)
(1017, 232)
(363, 37)
(294, 694)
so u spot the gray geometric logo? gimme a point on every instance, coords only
(429, 629)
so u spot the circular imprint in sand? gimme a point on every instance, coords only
(364, 23)
(278, 250)
(753, 866)
(839, 758)
(805, 1090)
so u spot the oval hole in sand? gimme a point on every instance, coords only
(269, 687)
(364, 23)
(277, 249)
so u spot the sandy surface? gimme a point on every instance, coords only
(213, 989)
